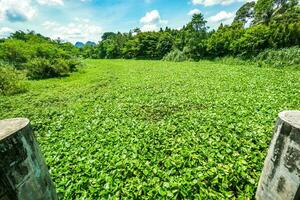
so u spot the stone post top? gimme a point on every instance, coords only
(292, 117)
(11, 126)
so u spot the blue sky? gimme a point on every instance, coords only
(83, 20)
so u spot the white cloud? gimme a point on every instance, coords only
(78, 30)
(215, 2)
(51, 2)
(194, 11)
(221, 17)
(16, 10)
(55, 2)
(152, 21)
(151, 17)
(5, 32)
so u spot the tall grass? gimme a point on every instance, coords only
(175, 56)
(11, 80)
(279, 58)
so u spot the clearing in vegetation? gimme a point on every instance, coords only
(156, 130)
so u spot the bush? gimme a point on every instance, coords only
(11, 80)
(15, 52)
(73, 63)
(176, 56)
(40, 68)
(40, 56)
(279, 58)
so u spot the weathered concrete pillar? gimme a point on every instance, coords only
(23, 173)
(280, 178)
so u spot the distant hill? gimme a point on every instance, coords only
(81, 44)
(89, 43)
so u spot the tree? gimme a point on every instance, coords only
(107, 35)
(266, 9)
(111, 45)
(274, 24)
(197, 23)
(263, 11)
(196, 33)
(285, 28)
(131, 48)
(254, 40)
(165, 44)
(147, 45)
(220, 42)
(245, 13)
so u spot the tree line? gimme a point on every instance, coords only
(257, 26)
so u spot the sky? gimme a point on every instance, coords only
(86, 20)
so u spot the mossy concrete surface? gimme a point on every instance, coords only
(23, 173)
(280, 178)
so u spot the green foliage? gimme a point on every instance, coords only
(279, 58)
(256, 27)
(156, 130)
(148, 45)
(245, 13)
(164, 45)
(29, 36)
(195, 47)
(254, 40)
(108, 35)
(221, 42)
(89, 52)
(197, 24)
(41, 68)
(264, 10)
(111, 45)
(230, 60)
(285, 29)
(16, 52)
(11, 80)
(176, 56)
(40, 56)
(155, 45)
(74, 63)
(131, 48)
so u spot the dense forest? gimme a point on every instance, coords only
(267, 31)
(267, 24)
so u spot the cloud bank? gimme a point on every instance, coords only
(152, 21)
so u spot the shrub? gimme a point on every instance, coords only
(40, 56)
(230, 60)
(11, 80)
(279, 58)
(176, 56)
(15, 52)
(73, 63)
(40, 68)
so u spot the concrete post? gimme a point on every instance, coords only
(23, 173)
(280, 178)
